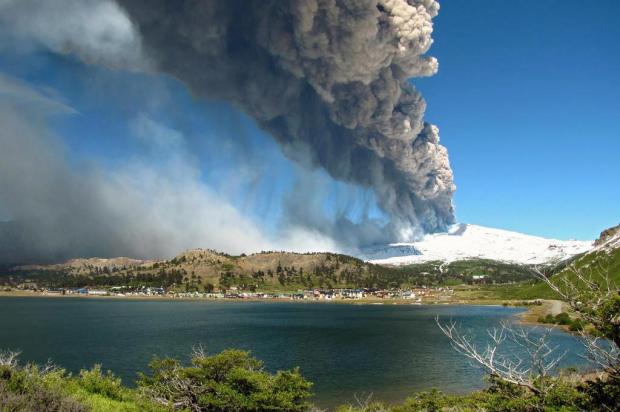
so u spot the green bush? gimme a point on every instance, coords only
(609, 313)
(94, 381)
(563, 319)
(431, 401)
(26, 389)
(576, 325)
(601, 395)
(499, 397)
(229, 381)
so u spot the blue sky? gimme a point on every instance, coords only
(526, 100)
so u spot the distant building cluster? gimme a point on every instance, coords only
(416, 295)
(113, 291)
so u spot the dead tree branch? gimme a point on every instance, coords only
(528, 370)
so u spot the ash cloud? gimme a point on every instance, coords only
(54, 209)
(328, 79)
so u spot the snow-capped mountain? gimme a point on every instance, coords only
(465, 241)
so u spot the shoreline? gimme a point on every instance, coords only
(553, 307)
(359, 301)
(529, 316)
(362, 301)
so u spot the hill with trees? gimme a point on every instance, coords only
(207, 270)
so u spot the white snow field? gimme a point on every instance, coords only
(464, 241)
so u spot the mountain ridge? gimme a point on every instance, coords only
(203, 269)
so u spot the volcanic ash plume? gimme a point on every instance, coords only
(328, 79)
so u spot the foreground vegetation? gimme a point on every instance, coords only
(567, 396)
(229, 381)
(234, 381)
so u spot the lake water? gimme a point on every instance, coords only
(389, 351)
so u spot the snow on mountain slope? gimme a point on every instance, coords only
(465, 241)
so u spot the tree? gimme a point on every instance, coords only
(595, 300)
(229, 381)
(530, 369)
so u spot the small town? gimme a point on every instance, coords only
(413, 295)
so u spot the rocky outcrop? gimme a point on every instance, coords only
(607, 234)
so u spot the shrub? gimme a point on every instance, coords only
(229, 381)
(576, 325)
(431, 401)
(609, 313)
(28, 388)
(38, 398)
(562, 319)
(94, 381)
(601, 394)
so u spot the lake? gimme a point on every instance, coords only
(348, 351)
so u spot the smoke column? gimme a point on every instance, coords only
(329, 79)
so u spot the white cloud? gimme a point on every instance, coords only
(151, 132)
(145, 208)
(153, 205)
(96, 31)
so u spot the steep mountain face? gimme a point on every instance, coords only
(611, 235)
(606, 255)
(463, 242)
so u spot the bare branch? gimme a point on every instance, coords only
(9, 358)
(199, 352)
(541, 357)
(602, 353)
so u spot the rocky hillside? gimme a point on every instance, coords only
(606, 254)
(87, 265)
(202, 269)
(608, 235)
